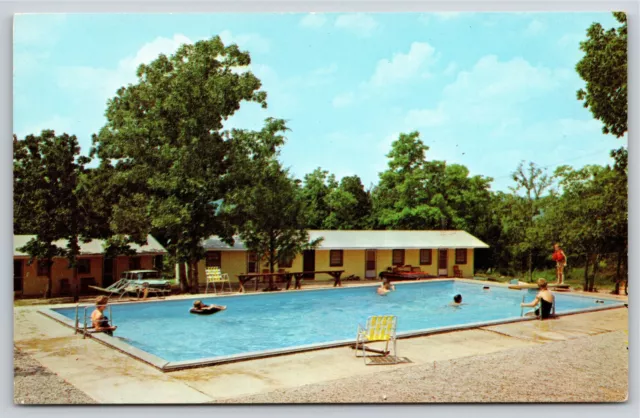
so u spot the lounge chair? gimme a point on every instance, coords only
(214, 276)
(378, 329)
(457, 272)
(117, 288)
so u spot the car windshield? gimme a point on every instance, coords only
(141, 275)
(147, 275)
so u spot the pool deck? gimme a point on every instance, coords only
(111, 377)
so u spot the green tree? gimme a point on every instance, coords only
(604, 69)
(272, 215)
(317, 186)
(349, 206)
(164, 136)
(414, 193)
(48, 168)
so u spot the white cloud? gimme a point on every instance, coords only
(492, 89)
(535, 27)
(343, 100)
(105, 80)
(313, 21)
(361, 24)
(252, 42)
(491, 95)
(403, 67)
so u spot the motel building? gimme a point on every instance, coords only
(94, 269)
(361, 253)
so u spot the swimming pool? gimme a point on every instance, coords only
(289, 321)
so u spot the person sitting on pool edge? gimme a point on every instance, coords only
(201, 308)
(457, 300)
(385, 287)
(545, 298)
(99, 320)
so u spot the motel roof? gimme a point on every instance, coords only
(92, 247)
(379, 240)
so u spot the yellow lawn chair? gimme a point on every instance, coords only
(214, 276)
(378, 329)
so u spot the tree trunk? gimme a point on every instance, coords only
(193, 286)
(196, 276)
(182, 277)
(530, 266)
(76, 286)
(586, 272)
(596, 264)
(616, 290)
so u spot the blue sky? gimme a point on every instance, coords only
(486, 90)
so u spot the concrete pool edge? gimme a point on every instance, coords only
(168, 366)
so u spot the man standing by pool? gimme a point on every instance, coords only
(561, 262)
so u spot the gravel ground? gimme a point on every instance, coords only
(36, 385)
(588, 369)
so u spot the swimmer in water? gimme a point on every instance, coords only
(385, 288)
(457, 300)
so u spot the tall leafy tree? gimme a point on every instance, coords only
(267, 204)
(604, 69)
(164, 137)
(414, 193)
(349, 206)
(317, 186)
(49, 169)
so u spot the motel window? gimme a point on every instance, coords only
(43, 267)
(134, 263)
(398, 257)
(252, 262)
(214, 259)
(84, 266)
(425, 257)
(158, 262)
(461, 256)
(286, 262)
(336, 258)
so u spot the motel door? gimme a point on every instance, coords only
(370, 264)
(442, 262)
(309, 263)
(17, 275)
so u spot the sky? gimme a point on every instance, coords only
(486, 90)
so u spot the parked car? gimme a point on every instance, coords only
(152, 278)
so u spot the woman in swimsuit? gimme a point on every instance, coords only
(561, 262)
(545, 298)
(99, 320)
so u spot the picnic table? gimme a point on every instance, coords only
(247, 277)
(288, 277)
(335, 274)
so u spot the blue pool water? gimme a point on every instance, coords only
(284, 320)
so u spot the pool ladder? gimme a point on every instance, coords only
(86, 329)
